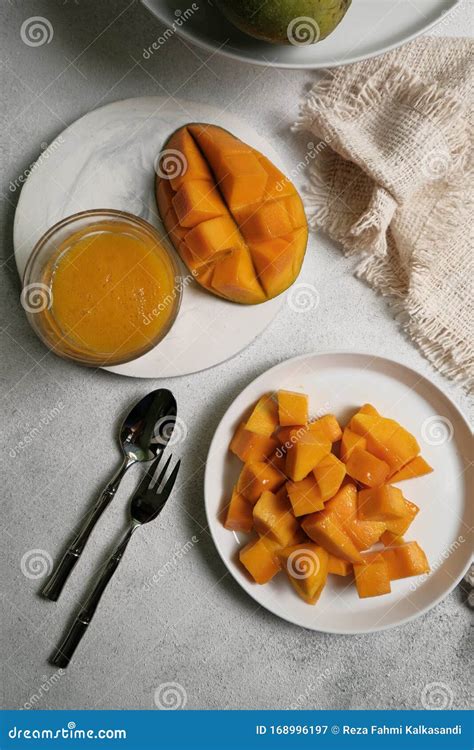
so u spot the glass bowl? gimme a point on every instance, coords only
(77, 233)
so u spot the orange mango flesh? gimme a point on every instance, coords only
(292, 408)
(366, 468)
(109, 290)
(321, 512)
(329, 473)
(417, 467)
(384, 503)
(239, 514)
(386, 439)
(305, 454)
(264, 417)
(304, 496)
(260, 561)
(250, 446)
(307, 568)
(257, 477)
(273, 519)
(237, 222)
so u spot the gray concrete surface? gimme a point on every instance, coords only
(196, 627)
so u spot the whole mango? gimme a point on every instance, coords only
(297, 22)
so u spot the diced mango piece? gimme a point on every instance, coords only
(242, 179)
(344, 506)
(327, 428)
(257, 477)
(214, 142)
(292, 408)
(307, 568)
(188, 164)
(339, 567)
(239, 514)
(277, 186)
(399, 526)
(325, 529)
(211, 237)
(384, 503)
(372, 577)
(260, 561)
(306, 453)
(278, 461)
(164, 196)
(175, 231)
(417, 467)
(250, 446)
(366, 468)
(386, 439)
(405, 561)
(295, 210)
(234, 278)
(278, 261)
(349, 442)
(264, 417)
(369, 409)
(270, 221)
(390, 539)
(329, 473)
(304, 496)
(196, 201)
(274, 520)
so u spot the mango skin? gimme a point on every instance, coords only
(269, 21)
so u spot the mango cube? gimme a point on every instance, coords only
(386, 439)
(405, 561)
(329, 473)
(196, 201)
(307, 568)
(417, 467)
(292, 408)
(366, 468)
(384, 503)
(344, 506)
(264, 417)
(372, 577)
(304, 496)
(250, 446)
(257, 477)
(399, 526)
(260, 561)
(326, 530)
(274, 520)
(306, 453)
(350, 441)
(339, 567)
(239, 514)
(327, 428)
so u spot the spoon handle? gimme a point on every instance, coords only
(61, 572)
(65, 650)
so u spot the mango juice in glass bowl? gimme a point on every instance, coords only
(102, 288)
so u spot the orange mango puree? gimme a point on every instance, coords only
(113, 291)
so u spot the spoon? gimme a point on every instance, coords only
(144, 434)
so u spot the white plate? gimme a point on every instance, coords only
(105, 160)
(369, 28)
(339, 383)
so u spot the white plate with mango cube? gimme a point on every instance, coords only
(380, 566)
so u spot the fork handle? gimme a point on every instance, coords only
(65, 650)
(60, 574)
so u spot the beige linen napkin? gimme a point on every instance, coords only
(390, 180)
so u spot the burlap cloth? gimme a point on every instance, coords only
(390, 180)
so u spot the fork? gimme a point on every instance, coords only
(147, 503)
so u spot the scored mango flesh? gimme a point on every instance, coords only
(236, 221)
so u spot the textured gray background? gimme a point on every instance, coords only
(196, 627)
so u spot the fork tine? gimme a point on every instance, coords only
(162, 473)
(170, 482)
(148, 476)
